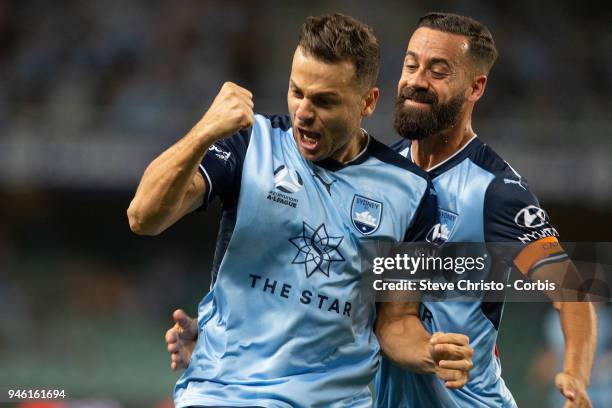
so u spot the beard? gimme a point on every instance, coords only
(416, 124)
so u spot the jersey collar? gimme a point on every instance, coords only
(453, 159)
(334, 165)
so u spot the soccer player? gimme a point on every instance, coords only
(288, 321)
(481, 199)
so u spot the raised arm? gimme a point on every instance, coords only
(171, 186)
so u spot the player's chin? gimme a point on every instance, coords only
(313, 156)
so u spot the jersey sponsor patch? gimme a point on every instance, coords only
(220, 153)
(531, 217)
(366, 214)
(534, 223)
(317, 250)
(538, 234)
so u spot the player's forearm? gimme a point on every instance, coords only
(579, 326)
(405, 342)
(166, 182)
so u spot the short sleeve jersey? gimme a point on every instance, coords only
(288, 320)
(480, 199)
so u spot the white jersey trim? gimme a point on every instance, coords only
(362, 152)
(448, 158)
(208, 181)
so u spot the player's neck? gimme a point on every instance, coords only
(355, 146)
(434, 149)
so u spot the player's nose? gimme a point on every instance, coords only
(305, 112)
(417, 79)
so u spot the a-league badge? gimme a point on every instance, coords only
(366, 214)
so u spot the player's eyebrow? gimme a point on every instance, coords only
(323, 94)
(332, 96)
(432, 61)
(442, 61)
(293, 85)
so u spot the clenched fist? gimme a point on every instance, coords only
(231, 111)
(452, 355)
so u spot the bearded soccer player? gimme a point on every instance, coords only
(289, 321)
(481, 199)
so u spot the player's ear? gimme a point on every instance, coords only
(477, 88)
(369, 101)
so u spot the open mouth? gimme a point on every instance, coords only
(308, 140)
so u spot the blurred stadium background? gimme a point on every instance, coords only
(91, 91)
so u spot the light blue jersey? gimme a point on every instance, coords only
(288, 321)
(481, 199)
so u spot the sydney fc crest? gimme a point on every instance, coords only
(441, 232)
(366, 214)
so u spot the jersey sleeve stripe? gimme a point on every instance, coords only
(550, 260)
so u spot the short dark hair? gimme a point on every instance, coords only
(481, 47)
(335, 38)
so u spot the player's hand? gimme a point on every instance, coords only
(231, 111)
(181, 339)
(574, 391)
(452, 355)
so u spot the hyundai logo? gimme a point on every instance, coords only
(530, 217)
